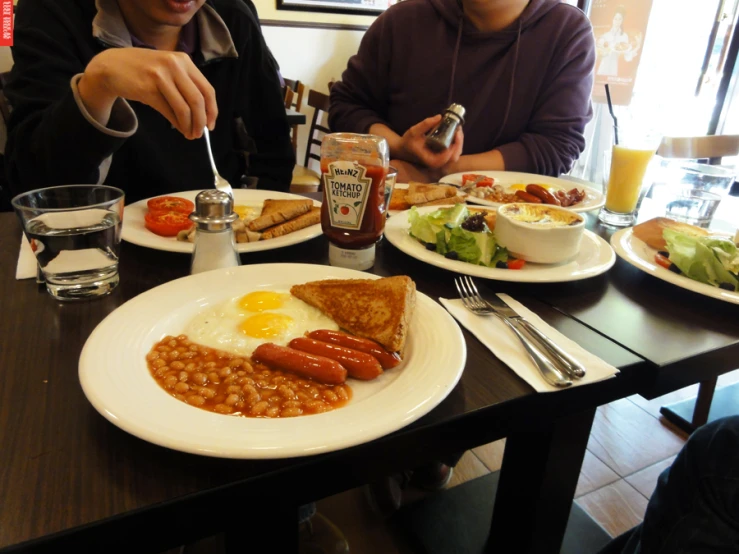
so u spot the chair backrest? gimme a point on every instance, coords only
(289, 96)
(320, 102)
(712, 147)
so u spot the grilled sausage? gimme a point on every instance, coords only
(359, 365)
(526, 197)
(387, 359)
(321, 369)
(546, 196)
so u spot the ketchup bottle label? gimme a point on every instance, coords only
(347, 190)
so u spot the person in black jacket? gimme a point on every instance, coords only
(118, 92)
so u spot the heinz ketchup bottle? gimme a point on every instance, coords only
(353, 217)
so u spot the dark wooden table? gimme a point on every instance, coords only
(68, 478)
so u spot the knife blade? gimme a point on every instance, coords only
(572, 367)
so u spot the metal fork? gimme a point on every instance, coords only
(220, 183)
(549, 371)
(567, 363)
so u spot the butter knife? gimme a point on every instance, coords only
(572, 367)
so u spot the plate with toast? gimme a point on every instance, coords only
(410, 194)
(267, 220)
(114, 375)
(640, 245)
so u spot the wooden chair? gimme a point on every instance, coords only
(296, 103)
(288, 96)
(304, 178)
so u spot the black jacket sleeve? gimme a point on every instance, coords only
(262, 109)
(50, 141)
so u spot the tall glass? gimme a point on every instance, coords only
(625, 186)
(75, 233)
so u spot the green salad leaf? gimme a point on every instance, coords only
(711, 260)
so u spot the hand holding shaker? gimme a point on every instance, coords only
(441, 137)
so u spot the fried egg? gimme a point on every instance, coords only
(240, 324)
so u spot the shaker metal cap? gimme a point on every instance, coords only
(457, 109)
(213, 210)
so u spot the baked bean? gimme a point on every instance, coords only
(291, 412)
(235, 385)
(259, 407)
(199, 378)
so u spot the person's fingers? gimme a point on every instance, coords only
(420, 129)
(160, 104)
(208, 93)
(457, 146)
(195, 102)
(178, 105)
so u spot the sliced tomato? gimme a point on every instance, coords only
(485, 182)
(170, 204)
(516, 264)
(167, 224)
(469, 178)
(661, 260)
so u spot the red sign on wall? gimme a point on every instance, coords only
(6, 33)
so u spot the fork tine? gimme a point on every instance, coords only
(477, 294)
(472, 292)
(462, 294)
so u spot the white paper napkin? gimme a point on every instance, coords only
(502, 342)
(27, 265)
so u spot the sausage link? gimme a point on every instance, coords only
(321, 369)
(526, 197)
(546, 196)
(359, 365)
(387, 359)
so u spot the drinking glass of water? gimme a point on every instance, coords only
(75, 233)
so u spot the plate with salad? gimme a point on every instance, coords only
(684, 255)
(462, 239)
(495, 188)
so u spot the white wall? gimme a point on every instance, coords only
(314, 57)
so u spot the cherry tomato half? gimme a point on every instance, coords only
(170, 204)
(516, 264)
(661, 260)
(166, 224)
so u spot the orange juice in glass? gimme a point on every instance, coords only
(625, 184)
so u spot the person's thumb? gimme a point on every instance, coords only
(426, 125)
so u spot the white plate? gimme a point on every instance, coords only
(134, 231)
(638, 254)
(117, 382)
(593, 200)
(595, 257)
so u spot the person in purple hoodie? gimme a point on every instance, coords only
(523, 69)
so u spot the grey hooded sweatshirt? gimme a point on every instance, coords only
(526, 88)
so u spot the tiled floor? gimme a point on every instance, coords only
(629, 446)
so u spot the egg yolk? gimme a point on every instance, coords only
(266, 325)
(242, 211)
(260, 301)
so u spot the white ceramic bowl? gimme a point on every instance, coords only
(539, 233)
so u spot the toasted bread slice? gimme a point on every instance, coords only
(301, 222)
(275, 212)
(651, 232)
(398, 201)
(443, 202)
(377, 309)
(419, 193)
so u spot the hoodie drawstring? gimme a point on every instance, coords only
(513, 82)
(454, 59)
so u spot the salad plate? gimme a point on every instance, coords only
(641, 256)
(595, 257)
(511, 181)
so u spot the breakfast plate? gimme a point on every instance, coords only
(593, 199)
(135, 232)
(641, 256)
(595, 257)
(116, 380)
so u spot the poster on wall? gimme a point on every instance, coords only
(620, 27)
(358, 7)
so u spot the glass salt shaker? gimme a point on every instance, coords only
(214, 239)
(441, 137)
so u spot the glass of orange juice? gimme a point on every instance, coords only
(625, 186)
